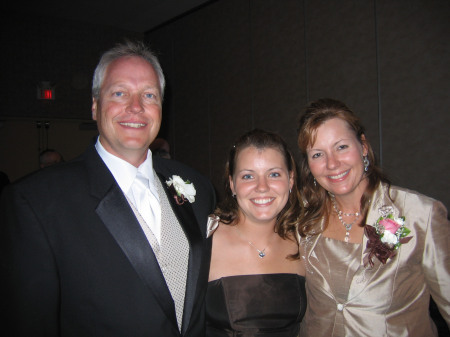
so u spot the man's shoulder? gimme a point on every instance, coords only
(58, 173)
(169, 167)
(48, 177)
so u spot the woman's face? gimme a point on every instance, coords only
(261, 183)
(335, 158)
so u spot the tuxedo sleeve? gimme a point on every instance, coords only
(31, 285)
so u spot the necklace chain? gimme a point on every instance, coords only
(261, 252)
(348, 226)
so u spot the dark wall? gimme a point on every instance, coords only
(240, 64)
(64, 52)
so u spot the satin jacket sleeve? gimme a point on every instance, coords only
(389, 299)
(436, 258)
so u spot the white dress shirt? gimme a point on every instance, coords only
(124, 173)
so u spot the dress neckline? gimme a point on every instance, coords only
(326, 238)
(255, 275)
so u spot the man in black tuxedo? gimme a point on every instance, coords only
(113, 242)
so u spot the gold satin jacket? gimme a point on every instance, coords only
(389, 299)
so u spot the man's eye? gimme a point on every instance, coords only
(118, 94)
(150, 96)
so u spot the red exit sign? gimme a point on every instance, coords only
(46, 91)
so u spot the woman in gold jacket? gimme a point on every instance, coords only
(374, 252)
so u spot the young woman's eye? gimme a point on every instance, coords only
(275, 174)
(315, 155)
(246, 176)
(342, 147)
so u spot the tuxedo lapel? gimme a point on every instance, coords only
(118, 217)
(188, 222)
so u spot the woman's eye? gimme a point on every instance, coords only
(342, 147)
(315, 155)
(275, 174)
(246, 176)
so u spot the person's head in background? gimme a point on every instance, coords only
(49, 157)
(161, 148)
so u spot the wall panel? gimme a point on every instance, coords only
(238, 64)
(415, 73)
(278, 66)
(341, 57)
(265, 59)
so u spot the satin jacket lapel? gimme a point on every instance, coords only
(188, 222)
(117, 215)
(313, 264)
(365, 274)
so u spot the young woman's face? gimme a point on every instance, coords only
(261, 183)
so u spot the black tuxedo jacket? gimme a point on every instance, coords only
(75, 261)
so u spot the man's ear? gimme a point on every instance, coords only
(94, 109)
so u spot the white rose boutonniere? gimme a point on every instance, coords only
(183, 190)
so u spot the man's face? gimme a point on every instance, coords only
(128, 110)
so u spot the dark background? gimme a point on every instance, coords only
(232, 65)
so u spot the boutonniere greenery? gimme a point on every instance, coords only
(183, 190)
(385, 236)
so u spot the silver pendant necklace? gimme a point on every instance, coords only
(348, 226)
(261, 252)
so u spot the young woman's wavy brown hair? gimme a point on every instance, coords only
(228, 209)
(317, 200)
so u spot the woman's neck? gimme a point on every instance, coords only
(261, 232)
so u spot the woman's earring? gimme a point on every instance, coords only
(315, 182)
(366, 163)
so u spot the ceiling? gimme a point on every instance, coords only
(133, 15)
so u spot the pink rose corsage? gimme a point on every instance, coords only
(385, 236)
